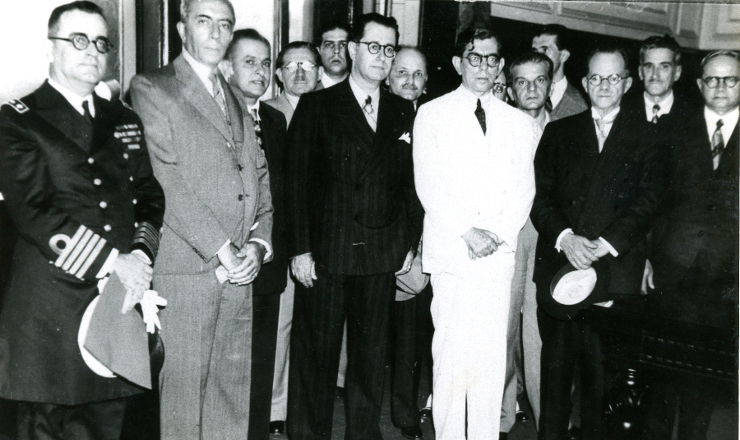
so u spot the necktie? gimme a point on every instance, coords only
(369, 111)
(218, 94)
(548, 105)
(480, 114)
(718, 143)
(87, 114)
(656, 109)
(602, 132)
(257, 126)
(368, 107)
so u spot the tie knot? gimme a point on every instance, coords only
(368, 107)
(720, 123)
(478, 106)
(656, 109)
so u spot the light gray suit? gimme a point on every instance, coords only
(216, 187)
(572, 103)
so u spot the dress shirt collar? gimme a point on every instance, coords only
(665, 105)
(201, 70)
(608, 122)
(328, 81)
(547, 120)
(293, 100)
(255, 108)
(361, 94)
(729, 121)
(558, 90)
(472, 98)
(74, 99)
(609, 117)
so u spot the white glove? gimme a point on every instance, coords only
(150, 307)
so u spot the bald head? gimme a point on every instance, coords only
(408, 76)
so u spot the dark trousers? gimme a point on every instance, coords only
(412, 332)
(90, 421)
(565, 344)
(316, 339)
(264, 340)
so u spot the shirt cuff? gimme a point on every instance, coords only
(560, 237)
(228, 242)
(610, 247)
(141, 254)
(108, 265)
(268, 254)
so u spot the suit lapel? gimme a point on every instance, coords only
(728, 162)
(58, 112)
(236, 116)
(195, 92)
(353, 119)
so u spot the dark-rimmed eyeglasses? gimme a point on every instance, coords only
(81, 41)
(374, 47)
(614, 79)
(475, 59)
(293, 66)
(713, 81)
(499, 87)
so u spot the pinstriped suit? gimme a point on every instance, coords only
(352, 204)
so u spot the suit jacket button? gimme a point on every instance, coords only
(240, 197)
(135, 201)
(97, 182)
(90, 160)
(240, 166)
(125, 155)
(107, 228)
(103, 205)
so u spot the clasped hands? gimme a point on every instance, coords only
(135, 274)
(582, 252)
(481, 243)
(243, 265)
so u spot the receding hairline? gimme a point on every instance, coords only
(186, 6)
(412, 49)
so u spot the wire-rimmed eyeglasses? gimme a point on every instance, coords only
(614, 79)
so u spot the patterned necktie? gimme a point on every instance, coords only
(656, 109)
(718, 143)
(87, 114)
(368, 107)
(480, 114)
(369, 111)
(257, 126)
(218, 94)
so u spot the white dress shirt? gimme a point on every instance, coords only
(558, 90)
(328, 81)
(665, 105)
(361, 96)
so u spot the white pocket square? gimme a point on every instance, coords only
(406, 137)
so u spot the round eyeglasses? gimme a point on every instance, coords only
(374, 48)
(614, 79)
(81, 41)
(499, 87)
(475, 59)
(293, 66)
(713, 81)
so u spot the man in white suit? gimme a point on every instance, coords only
(474, 175)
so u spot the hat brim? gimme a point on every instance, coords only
(572, 290)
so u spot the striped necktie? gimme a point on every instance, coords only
(257, 126)
(218, 94)
(718, 143)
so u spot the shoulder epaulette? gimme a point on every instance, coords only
(18, 105)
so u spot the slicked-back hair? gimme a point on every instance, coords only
(358, 30)
(718, 53)
(468, 35)
(295, 45)
(246, 34)
(560, 32)
(330, 26)
(613, 50)
(533, 57)
(661, 42)
(83, 6)
(186, 6)
(416, 49)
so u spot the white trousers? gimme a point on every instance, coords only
(470, 312)
(279, 410)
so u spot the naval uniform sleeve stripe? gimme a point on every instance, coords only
(70, 246)
(84, 254)
(77, 249)
(91, 258)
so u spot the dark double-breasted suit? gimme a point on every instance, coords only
(352, 204)
(76, 192)
(216, 182)
(613, 194)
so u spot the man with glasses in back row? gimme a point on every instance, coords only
(473, 159)
(600, 177)
(356, 221)
(78, 183)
